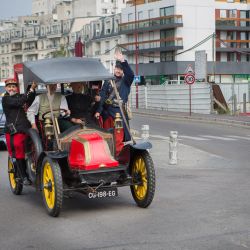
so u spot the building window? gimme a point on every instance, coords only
(150, 14)
(167, 56)
(151, 57)
(130, 17)
(223, 13)
(167, 11)
(107, 47)
(232, 13)
(104, 11)
(140, 15)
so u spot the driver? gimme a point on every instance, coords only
(41, 105)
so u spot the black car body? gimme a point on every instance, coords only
(2, 124)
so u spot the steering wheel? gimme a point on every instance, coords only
(61, 111)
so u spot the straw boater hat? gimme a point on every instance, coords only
(11, 81)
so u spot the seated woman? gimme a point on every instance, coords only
(80, 105)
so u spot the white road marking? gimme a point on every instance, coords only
(194, 138)
(239, 137)
(160, 137)
(218, 138)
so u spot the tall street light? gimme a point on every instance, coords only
(136, 55)
(134, 2)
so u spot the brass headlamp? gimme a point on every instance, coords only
(48, 128)
(118, 121)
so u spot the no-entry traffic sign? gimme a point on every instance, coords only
(189, 78)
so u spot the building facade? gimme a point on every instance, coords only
(32, 42)
(159, 37)
(162, 37)
(77, 8)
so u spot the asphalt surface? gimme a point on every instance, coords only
(231, 120)
(200, 203)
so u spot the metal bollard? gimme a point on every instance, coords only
(145, 132)
(173, 144)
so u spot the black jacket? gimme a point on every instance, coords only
(13, 106)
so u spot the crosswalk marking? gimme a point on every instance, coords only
(219, 138)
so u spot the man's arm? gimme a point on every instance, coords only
(128, 73)
(103, 97)
(33, 111)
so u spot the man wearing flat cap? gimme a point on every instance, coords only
(17, 123)
(108, 106)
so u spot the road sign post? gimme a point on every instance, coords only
(190, 79)
(137, 80)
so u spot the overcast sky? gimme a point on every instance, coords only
(15, 8)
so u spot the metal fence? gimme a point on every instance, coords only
(173, 97)
(234, 96)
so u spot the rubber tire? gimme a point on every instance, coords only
(58, 186)
(150, 172)
(17, 190)
(38, 148)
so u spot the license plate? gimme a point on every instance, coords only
(103, 193)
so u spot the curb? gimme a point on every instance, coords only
(243, 124)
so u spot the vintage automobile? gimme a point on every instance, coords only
(83, 158)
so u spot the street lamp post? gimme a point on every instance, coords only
(136, 54)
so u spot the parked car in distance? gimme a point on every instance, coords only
(2, 89)
(2, 124)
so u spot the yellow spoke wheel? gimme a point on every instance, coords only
(16, 187)
(143, 175)
(52, 188)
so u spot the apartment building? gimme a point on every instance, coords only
(33, 42)
(77, 8)
(232, 20)
(101, 37)
(159, 37)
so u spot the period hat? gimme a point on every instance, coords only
(10, 81)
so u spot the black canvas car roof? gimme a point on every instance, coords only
(64, 70)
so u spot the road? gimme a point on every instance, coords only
(201, 203)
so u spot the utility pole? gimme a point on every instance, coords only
(213, 55)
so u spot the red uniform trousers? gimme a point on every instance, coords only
(19, 140)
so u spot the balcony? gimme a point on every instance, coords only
(166, 44)
(237, 24)
(164, 22)
(16, 49)
(233, 46)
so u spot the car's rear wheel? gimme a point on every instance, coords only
(143, 173)
(52, 187)
(33, 149)
(16, 185)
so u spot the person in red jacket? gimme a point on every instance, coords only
(17, 123)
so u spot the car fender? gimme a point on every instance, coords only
(141, 145)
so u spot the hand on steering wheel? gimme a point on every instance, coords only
(63, 112)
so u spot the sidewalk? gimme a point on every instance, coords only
(231, 120)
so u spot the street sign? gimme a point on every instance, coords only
(137, 79)
(189, 69)
(189, 78)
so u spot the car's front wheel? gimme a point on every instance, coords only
(143, 175)
(52, 186)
